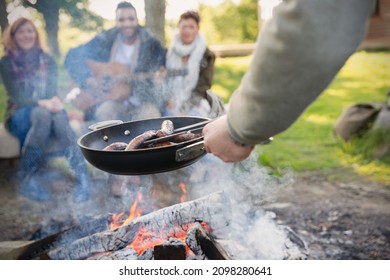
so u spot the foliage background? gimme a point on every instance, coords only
(309, 144)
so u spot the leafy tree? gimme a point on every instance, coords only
(230, 22)
(248, 11)
(77, 9)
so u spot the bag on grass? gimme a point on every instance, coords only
(356, 119)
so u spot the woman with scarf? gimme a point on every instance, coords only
(35, 115)
(188, 50)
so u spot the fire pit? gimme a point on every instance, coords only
(184, 231)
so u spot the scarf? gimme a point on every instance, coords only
(30, 69)
(119, 54)
(181, 86)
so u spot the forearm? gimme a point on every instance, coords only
(298, 54)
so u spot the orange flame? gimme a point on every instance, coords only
(115, 221)
(183, 188)
(146, 239)
(135, 212)
(134, 209)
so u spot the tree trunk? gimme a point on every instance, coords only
(51, 27)
(51, 13)
(155, 18)
(3, 16)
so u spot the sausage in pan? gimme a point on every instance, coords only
(116, 146)
(166, 128)
(137, 141)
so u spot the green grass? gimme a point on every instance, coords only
(309, 144)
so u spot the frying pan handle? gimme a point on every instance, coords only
(104, 124)
(197, 150)
(191, 151)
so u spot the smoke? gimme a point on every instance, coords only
(253, 233)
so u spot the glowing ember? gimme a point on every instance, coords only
(146, 239)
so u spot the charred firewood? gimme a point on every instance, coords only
(193, 243)
(211, 248)
(39, 249)
(96, 243)
(173, 249)
(146, 255)
(169, 221)
(126, 253)
(116, 146)
(204, 245)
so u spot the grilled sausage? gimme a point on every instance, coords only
(166, 128)
(116, 146)
(137, 141)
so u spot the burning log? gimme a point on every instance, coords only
(146, 255)
(174, 249)
(37, 249)
(210, 209)
(203, 244)
(151, 228)
(126, 253)
(96, 243)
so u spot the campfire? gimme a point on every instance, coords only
(210, 219)
(180, 231)
(185, 231)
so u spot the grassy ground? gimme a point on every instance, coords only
(309, 143)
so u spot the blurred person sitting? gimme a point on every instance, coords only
(118, 74)
(35, 114)
(116, 71)
(189, 94)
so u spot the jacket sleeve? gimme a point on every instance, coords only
(97, 49)
(298, 53)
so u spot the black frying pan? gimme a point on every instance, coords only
(142, 161)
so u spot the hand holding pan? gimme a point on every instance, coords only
(143, 161)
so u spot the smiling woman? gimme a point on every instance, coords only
(35, 115)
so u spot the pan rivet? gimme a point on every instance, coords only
(127, 132)
(105, 138)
